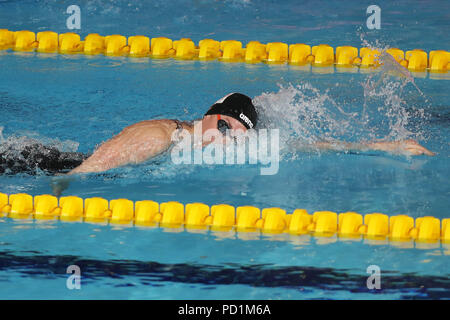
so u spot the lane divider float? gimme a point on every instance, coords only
(416, 60)
(224, 217)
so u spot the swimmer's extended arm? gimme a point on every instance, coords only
(135, 144)
(405, 147)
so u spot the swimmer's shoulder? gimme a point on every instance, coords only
(166, 124)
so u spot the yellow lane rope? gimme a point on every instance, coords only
(224, 217)
(417, 60)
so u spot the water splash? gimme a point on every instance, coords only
(389, 66)
(302, 112)
(377, 110)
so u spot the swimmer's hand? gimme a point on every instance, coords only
(406, 147)
(59, 184)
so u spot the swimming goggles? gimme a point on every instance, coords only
(222, 125)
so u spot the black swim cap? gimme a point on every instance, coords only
(237, 106)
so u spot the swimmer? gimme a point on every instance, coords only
(146, 139)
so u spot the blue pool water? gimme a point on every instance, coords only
(75, 102)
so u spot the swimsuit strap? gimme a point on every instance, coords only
(187, 123)
(176, 136)
(178, 123)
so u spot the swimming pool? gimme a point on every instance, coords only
(75, 102)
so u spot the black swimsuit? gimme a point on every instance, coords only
(35, 157)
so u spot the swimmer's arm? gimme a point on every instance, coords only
(135, 144)
(404, 147)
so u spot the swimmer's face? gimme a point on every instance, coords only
(218, 124)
